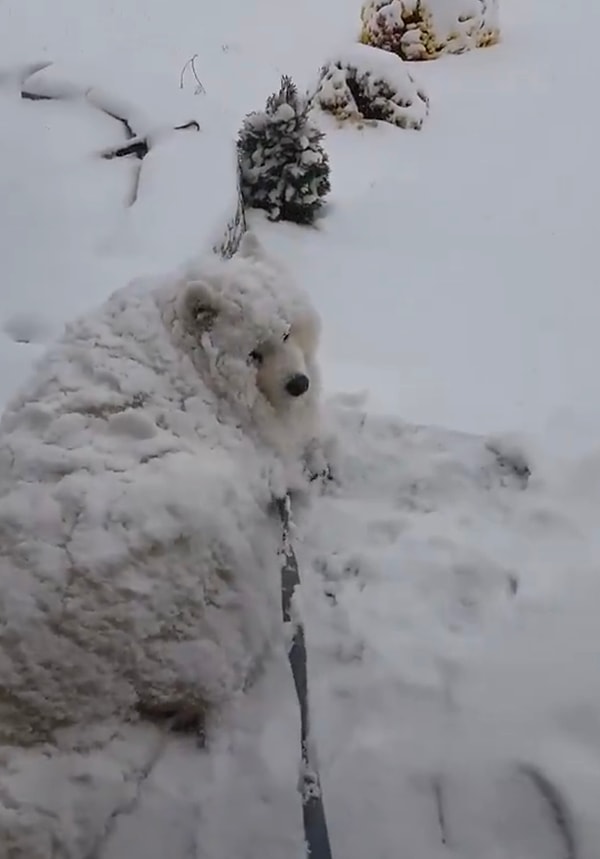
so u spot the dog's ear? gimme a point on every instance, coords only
(199, 307)
(250, 247)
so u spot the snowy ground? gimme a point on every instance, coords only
(451, 610)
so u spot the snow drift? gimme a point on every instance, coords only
(386, 539)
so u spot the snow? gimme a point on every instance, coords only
(450, 603)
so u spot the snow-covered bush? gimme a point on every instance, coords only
(283, 166)
(424, 29)
(365, 83)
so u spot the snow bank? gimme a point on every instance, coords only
(382, 543)
(424, 29)
(109, 91)
(130, 216)
(180, 168)
(431, 566)
(450, 603)
(58, 195)
(362, 82)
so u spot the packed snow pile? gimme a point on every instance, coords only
(414, 512)
(423, 546)
(424, 29)
(365, 83)
(406, 529)
(137, 468)
(284, 168)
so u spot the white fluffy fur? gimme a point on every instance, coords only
(138, 557)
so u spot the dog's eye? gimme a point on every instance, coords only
(256, 356)
(285, 336)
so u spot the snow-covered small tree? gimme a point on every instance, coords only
(283, 166)
(364, 83)
(424, 29)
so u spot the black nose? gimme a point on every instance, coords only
(297, 385)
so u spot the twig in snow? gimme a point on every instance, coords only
(187, 125)
(32, 96)
(558, 808)
(137, 146)
(199, 88)
(438, 795)
(129, 132)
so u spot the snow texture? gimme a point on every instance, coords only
(381, 506)
(365, 83)
(72, 81)
(283, 166)
(450, 584)
(420, 529)
(137, 471)
(424, 29)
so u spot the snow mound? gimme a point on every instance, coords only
(428, 565)
(102, 88)
(424, 29)
(59, 82)
(365, 83)
(417, 512)
(402, 570)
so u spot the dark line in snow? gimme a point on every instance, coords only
(188, 125)
(137, 146)
(32, 96)
(129, 132)
(558, 808)
(438, 794)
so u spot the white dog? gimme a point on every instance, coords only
(139, 567)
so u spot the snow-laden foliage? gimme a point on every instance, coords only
(283, 166)
(424, 29)
(365, 83)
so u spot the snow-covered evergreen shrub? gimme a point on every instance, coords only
(424, 29)
(283, 166)
(366, 83)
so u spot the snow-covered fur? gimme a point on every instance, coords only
(139, 565)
